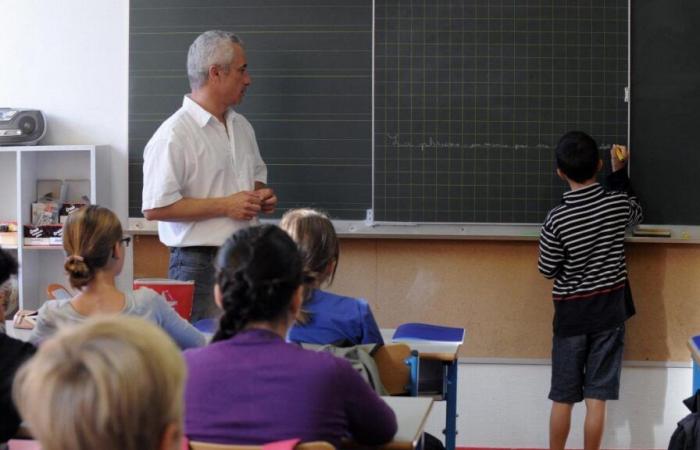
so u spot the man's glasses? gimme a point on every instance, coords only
(126, 240)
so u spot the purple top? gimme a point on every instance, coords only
(255, 388)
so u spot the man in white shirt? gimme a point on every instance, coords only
(203, 177)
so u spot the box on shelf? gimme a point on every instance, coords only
(67, 209)
(43, 235)
(8, 234)
(178, 294)
(44, 213)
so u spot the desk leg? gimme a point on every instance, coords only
(451, 406)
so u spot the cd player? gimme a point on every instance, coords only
(21, 126)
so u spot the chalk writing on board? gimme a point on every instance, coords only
(431, 143)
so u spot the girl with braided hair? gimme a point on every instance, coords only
(94, 246)
(250, 386)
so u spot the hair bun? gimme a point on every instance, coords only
(78, 271)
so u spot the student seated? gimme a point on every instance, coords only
(112, 383)
(250, 386)
(13, 353)
(326, 318)
(94, 246)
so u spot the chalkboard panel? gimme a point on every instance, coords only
(472, 96)
(469, 97)
(310, 100)
(665, 111)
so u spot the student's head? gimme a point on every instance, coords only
(577, 156)
(258, 280)
(111, 384)
(8, 267)
(92, 240)
(314, 234)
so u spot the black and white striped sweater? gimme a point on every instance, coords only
(582, 248)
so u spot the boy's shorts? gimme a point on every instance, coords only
(587, 366)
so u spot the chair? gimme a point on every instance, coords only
(398, 368)
(56, 291)
(316, 445)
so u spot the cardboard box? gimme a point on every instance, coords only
(178, 294)
(67, 209)
(43, 235)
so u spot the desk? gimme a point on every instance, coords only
(411, 414)
(10, 330)
(447, 355)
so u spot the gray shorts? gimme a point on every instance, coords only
(587, 366)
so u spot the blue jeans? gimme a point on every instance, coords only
(197, 264)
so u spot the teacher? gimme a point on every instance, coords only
(203, 177)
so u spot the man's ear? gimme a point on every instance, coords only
(600, 165)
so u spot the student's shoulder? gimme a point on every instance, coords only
(338, 300)
(56, 306)
(144, 298)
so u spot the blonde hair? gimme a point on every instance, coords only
(315, 236)
(112, 383)
(89, 236)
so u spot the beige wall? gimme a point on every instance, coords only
(493, 289)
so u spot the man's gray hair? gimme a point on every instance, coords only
(207, 50)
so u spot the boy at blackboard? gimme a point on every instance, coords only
(582, 248)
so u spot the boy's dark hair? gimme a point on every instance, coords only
(257, 270)
(8, 266)
(577, 156)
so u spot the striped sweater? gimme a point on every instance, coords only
(582, 248)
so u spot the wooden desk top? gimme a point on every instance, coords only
(411, 415)
(439, 352)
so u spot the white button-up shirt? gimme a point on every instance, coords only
(193, 155)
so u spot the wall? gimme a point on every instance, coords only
(493, 289)
(70, 59)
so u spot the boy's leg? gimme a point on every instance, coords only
(594, 425)
(559, 425)
(568, 360)
(602, 382)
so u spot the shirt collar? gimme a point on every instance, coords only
(201, 115)
(584, 194)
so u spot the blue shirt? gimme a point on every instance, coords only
(337, 320)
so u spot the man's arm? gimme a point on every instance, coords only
(244, 205)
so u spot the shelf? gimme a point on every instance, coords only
(42, 247)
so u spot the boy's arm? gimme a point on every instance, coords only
(552, 252)
(619, 181)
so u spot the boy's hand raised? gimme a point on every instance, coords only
(618, 157)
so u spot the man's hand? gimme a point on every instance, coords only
(244, 205)
(618, 157)
(268, 199)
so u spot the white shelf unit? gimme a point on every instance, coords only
(20, 168)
